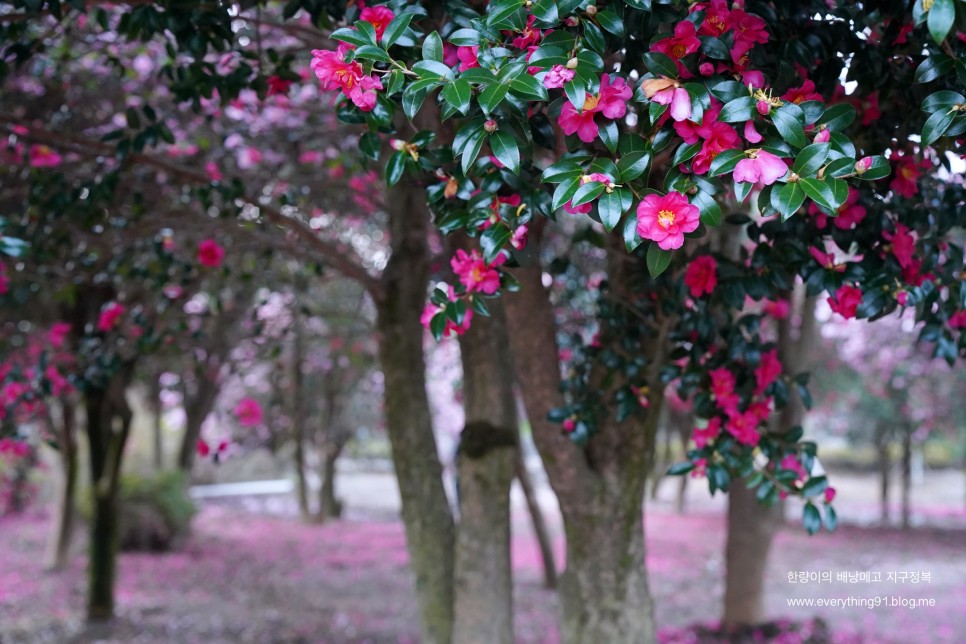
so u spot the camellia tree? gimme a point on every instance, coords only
(724, 151)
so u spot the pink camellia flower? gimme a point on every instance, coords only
(666, 219)
(862, 165)
(717, 17)
(723, 390)
(519, 238)
(557, 77)
(248, 412)
(569, 424)
(278, 85)
(791, 462)
(109, 316)
(201, 447)
(767, 371)
(378, 17)
(58, 334)
(451, 327)
(823, 136)
(829, 494)
(825, 260)
(335, 73)
(467, 57)
(666, 91)
(529, 36)
(701, 277)
(214, 174)
(744, 427)
(957, 320)
(760, 167)
(43, 157)
(704, 436)
(778, 309)
(210, 253)
(582, 209)
(611, 102)
(751, 134)
(683, 42)
(749, 30)
(475, 274)
(846, 301)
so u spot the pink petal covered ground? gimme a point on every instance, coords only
(256, 578)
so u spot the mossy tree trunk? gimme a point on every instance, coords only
(483, 609)
(425, 509)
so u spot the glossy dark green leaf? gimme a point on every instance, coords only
(657, 259)
(940, 19)
(506, 149)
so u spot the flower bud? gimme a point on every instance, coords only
(592, 10)
(763, 107)
(706, 69)
(397, 144)
(862, 165)
(823, 136)
(490, 126)
(572, 63)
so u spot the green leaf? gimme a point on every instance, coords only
(942, 100)
(433, 70)
(742, 190)
(437, 325)
(840, 167)
(611, 23)
(371, 52)
(940, 19)
(937, 124)
(631, 239)
(493, 240)
(370, 145)
(725, 162)
(587, 192)
(561, 170)
(815, 486)
(472, 149)
(458, 94)
(505, 147)
(576, 93)
(738, 110)
(367, 30)
(609, 135)
(789, 119)
(500, 10)
(491, 96)
(811, 518)
(727, 91)
(660, 64)
(880, 168)
(433, 48)
(396, 28)
(351, 36)
(686, 152)
(788, 200)
(395, 168)
(710, 210)
(658, 259)
(714, 48)
(838, 117)
(933, 67)
(565, 192)
(610, 208)
(810, 159)
(528, 87)
(465, 37)
(831, 518)
(680, 468)
(840, 191)
(412, 99)
(632, 165)
(545, 11)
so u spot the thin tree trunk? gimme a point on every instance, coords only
(298, 410)
(680, 504)
(906, 478)
(154, 391)
(540, 530)
(329, 505)
(751, 527)
(425, 509)
(108, 426)
(884, 464)
(483, 609)
(197, 408)
(58, 548)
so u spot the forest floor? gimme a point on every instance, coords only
(251, 574)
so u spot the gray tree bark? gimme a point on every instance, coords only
(58, 548)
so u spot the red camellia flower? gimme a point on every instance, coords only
(846, 301)
(109, 316)
(767, 371)
(666, 219)
(248, 412)
(683, 42)
(43, 157)
(210, 253)
(335, 73)
(905, 180)
(701, 276)
(378, 17)
(278, 85)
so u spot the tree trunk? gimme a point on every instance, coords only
(884, 465)
(751, 527)
(108, 426)
(154, 392)
(680, 505)
(330, 507)
(425, 509)
(604, 595)
(197, 408)
(483, 609)
(540, 530)
(906, 478)
(58, 548)
(298, 411)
